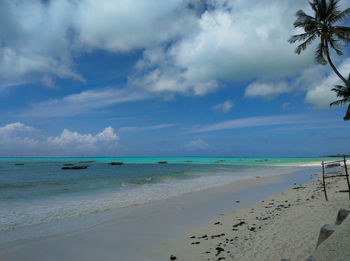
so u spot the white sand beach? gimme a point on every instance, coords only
(266, 218)
(283, 226)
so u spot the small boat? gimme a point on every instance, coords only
(68, 164)
(76, 167)
(87, 161)
(19, 164)
(116, 163)
(162, 162)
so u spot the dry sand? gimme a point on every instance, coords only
(285, 225)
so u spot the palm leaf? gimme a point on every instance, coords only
(335, 45)
(341, 16)
(298, 37)
(305, 44)
(338, 102)
(302, 19)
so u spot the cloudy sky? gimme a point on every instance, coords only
(163, 78)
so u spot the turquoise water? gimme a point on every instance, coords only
(246, 161)
(37, 190)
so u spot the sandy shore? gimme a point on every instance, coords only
(206, 225)
(285, 225)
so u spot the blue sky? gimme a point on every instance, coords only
(163, 78)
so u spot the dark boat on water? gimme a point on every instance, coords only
(162, 162)
(75, 167)
(116, 163)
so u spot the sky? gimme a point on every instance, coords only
(164, 78)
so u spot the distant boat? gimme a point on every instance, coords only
(87, 161)
(116, 163)
(68, 164)
(19, 164)
(162, 162)
(76, 167)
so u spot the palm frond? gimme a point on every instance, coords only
(305, 44)
(342, 33)
(338, 102)
(303, 19)
(298, 37)
(335, 45)
(341, 16)
(332, 9)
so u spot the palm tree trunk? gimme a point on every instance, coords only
(347, 115)
(333, 67)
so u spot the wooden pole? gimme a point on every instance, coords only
(324, 184)
(347, 175)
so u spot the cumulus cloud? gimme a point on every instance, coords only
(197, 144)
(121, 26)
(18, 139)
(35, 41)
(105, 140)
(224, 107)
(189, 46)
(266, 90)
(319, 92)
(44, 37)
(234, 41)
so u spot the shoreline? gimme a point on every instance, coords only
(137, 233)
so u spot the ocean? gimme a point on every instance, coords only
(38, 190)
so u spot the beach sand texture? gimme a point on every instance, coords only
(284, 226)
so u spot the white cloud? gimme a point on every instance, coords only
(125, 25)
(146, 128)
(10, 129)
(252, 122)
(197, 144)
(233, 41)
(85, 143)
(266, 90)
(43, 38)
(319, 92)
(225, 107)
(18, 139)
(34, 41)
(187, 48)
(84, 102)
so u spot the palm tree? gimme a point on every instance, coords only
(322, 25)
(344, 93)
